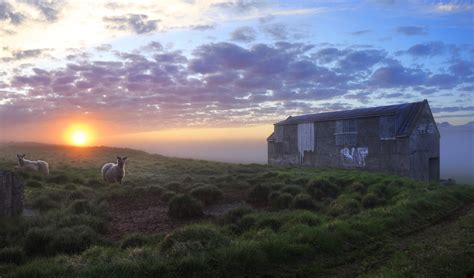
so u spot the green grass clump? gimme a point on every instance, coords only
(167, 196)
(175, 186)
(372, 200)
(283, 201)
(34, 184)
(184, 206)
(234, 215)
(59, 179)
(292, 189)
(207, 194)
(259, 194)
(37, 241)
(358, 187)
(344, 205)
(94, 183)
(133, 241)
(72, 240)
(76, 195)
(82, 207)
(303, 201)
(193, 239)
(44, 202)
(12, 255)
(322, 188)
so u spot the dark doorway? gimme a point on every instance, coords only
(434, 169)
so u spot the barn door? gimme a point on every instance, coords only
(434, 169)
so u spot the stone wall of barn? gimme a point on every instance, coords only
(424, 148)
(404, 156)
(11, 194)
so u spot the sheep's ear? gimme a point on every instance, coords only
(118, 157)
(124, 158)
(23, 155)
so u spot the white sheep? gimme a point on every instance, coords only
(30, 165)
(114, 172)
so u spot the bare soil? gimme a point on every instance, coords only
(147, 214)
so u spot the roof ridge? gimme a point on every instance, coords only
(353, 113)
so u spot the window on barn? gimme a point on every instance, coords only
(346, 132)
(388, 127)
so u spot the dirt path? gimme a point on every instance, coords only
(147, 214)
(443, 238)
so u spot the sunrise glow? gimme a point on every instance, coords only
(79, 138)
(79, 135)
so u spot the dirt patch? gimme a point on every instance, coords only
(147, 214)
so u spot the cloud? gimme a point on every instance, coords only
(427, 49)
(396, 75)
(454, 7)
(220, 83)
(361, 59)
(360, 32)
(24, 54)
(462, 68)
(411, 30)
(328, 55)
(453, 109)
(8, 13)
(239, 6)
(49, 9)
(139, 23)
(203, 27)
(277, 31)
(243, 34)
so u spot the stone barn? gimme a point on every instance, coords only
(396, 139)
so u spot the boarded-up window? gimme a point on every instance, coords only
(305, 138)
(278, 133)
(346, 132)
(388, 127)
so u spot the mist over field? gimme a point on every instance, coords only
(457, 150)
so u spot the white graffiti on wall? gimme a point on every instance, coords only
(354, 156)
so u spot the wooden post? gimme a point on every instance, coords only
(11, 194)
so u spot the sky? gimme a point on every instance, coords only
(170, 76)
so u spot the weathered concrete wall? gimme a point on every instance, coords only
(11, 194)
(404, 156)
(284, 150)
(423, 145)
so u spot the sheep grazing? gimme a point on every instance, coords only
(114, 172)
(32, 165)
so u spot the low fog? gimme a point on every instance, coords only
(457, 151)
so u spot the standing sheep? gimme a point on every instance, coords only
(30, 165)
(114, 172)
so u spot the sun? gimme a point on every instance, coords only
(79, 134)
(79, 138)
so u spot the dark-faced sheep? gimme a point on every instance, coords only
(114, 172)
(32, 165)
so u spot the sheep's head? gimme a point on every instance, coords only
(121, 161)
(21, 158)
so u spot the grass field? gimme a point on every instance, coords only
(192, 218)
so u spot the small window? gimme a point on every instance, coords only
(387, 127)
(346, 133)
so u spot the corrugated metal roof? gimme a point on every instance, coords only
(406, 115)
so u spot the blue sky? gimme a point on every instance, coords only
(140, 66)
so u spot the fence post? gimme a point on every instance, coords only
(11, 194)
